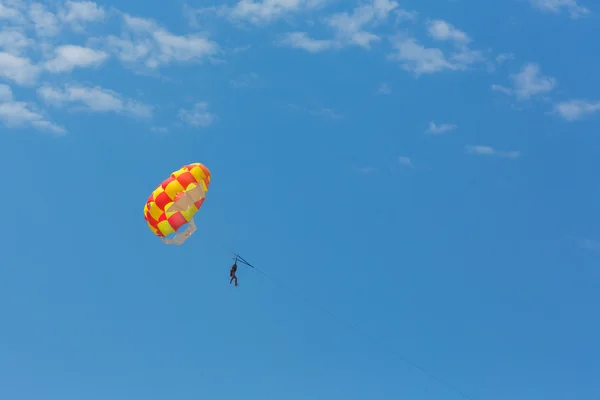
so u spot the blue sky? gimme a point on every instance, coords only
(423, 169)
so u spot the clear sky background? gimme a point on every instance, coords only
(426, 170)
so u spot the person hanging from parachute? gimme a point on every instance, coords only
(234, 267)
(232, 274)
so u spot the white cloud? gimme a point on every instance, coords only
(421, 60)
(434, 129)
(198, 115)
(129, 51)
(45, 22)
(10, 12)
(442, 30)
(139, 24)
(502, 89)
(348, 28)
(490, 151)
(405, 15)
(465, 57)
(153, 46)
(14, 42)
(16, 114)
(556, 6)
(576, 109)
(266, 11)
(301, 40)
(18, 69)
(528, 82)
(182, 48)
(77, 12)
(73, 13)
(257, 12)
(5, 93)
(69, 57)
(417, 58)
(384, 88)
(95, 99)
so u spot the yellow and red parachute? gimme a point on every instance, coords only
(177, 199)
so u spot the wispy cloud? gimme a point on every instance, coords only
(365, 170)
(405, 161)
(73, 14)
(77, 13)
(417, 58)
(557, 6)
(590, 244)
(405, 15)
(529, 82)
(384, 89)
(95, 99)
(349, 28)
(16, 114)
(18, 69)
(257, 12)
(148, 44)
(503, 57)
(11, 12)
(20, 17)
(46, 23)
(198, 116)
(14, 42)
(502, 89)
(37, 41)
(481, 150)
(66, 58)
(434, 129)
(301, 40)
(420, 60)
(159, 129)
(442, 30)
(266, 11)
(327, 113)
(244, 80)
(317, 111)
(576, 109)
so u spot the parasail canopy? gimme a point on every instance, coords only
(175, 201)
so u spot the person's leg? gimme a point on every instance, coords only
(235, 277)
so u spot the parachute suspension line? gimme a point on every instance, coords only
(357, 330)
(239, 258)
